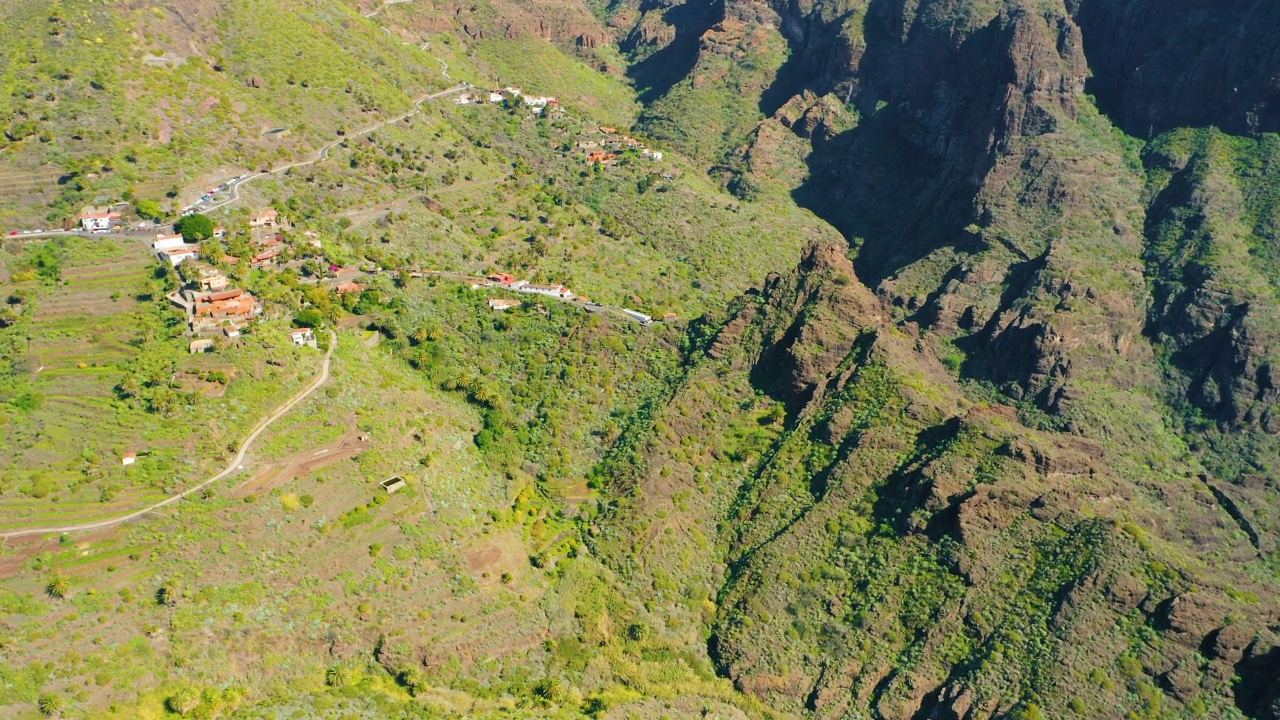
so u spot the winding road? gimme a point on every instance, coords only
(230, 469)
(323, 153)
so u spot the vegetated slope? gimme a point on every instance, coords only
(1118, 292)
(122, 99)
(300, 586)
(1025, 470)
(121, 95)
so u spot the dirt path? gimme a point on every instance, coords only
(233, 466)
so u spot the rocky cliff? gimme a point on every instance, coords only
(1160, 64)
(1107, 268)
(884, 545)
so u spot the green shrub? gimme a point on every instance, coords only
(195, 228)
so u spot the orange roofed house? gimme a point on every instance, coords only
(215, 309)
(349, 287)
(268, 218)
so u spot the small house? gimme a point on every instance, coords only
(501, 304)
(268, 218)
(232, 331)
(216, 283)
(670, 317)
(177, 256)
(392, 484)
(558, 291)
(220, 231)
(99, 221)
(501, 278)
(349, 287)
(168, 242)
(302, 336)
(266, 257)
(203, 345)
(129, 458)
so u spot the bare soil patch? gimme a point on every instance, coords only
(300, 464)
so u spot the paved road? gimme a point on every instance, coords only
(233, 466)
(147, 234)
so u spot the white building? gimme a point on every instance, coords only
(177, 256)
(99, 222)
(168, 242)
(500, 304)
(557, 291)
(301, 336)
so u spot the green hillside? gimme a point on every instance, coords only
(832, 360)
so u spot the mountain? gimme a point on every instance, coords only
(1100, 266)
(972, 412)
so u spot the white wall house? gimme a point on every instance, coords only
(168, 242)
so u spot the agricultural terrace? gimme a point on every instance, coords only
(96, 366)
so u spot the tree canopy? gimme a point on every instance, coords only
(195, 228)
(150, 210)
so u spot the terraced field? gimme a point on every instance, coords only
(81, 338)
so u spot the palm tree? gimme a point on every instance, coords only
(58, 588)
(50, 705)
(337, 676)
(638, 632)
(549, 689)
(183, 701)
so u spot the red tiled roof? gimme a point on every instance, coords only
(219, 296)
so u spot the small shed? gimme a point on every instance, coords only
(201, 346)
(392, 484)
(129, 458)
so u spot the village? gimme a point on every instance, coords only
(601, 147)
(216, 308)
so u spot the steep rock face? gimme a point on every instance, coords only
(1162, 64)
(969, 162)
(1003, 223)
(813, 317)
(1214, 307)
(567, 24)
(891, 549)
